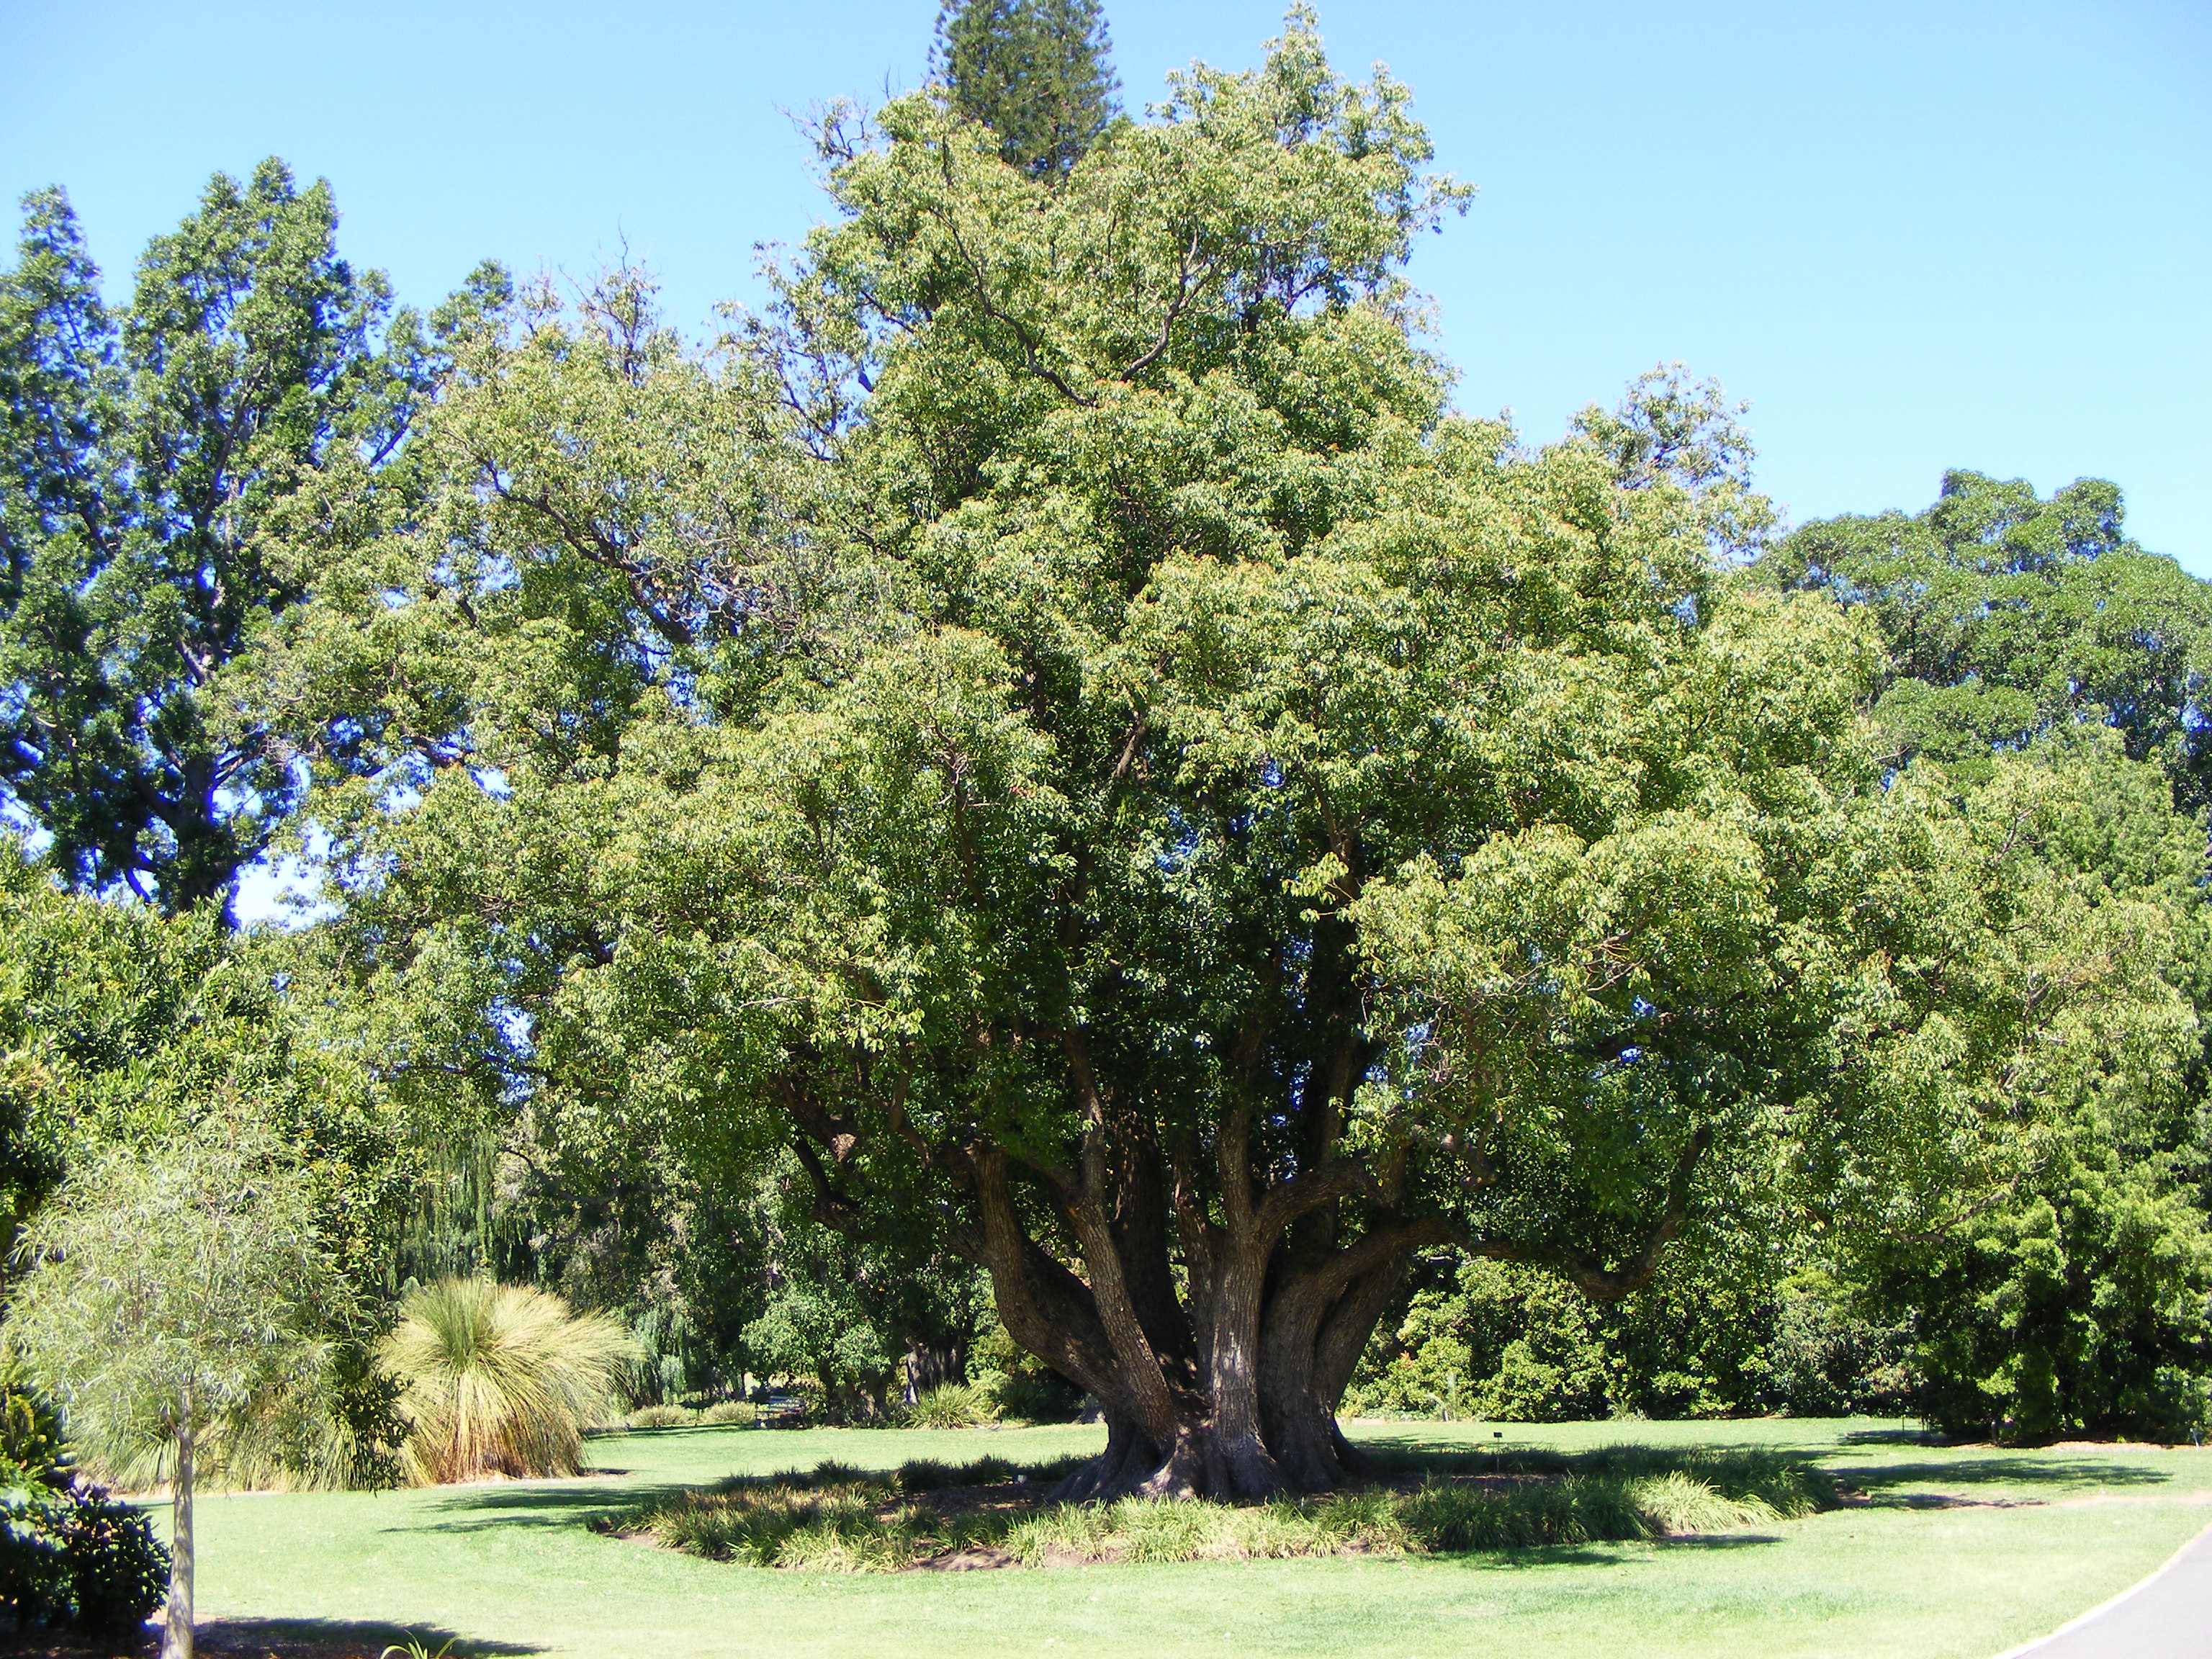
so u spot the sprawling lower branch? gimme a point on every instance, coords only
(1223, 1378)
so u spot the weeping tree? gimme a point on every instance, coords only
(170, 1301)
(1060, 729)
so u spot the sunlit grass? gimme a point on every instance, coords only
(1940, 1554)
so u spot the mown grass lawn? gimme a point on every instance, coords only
(1957, 1553)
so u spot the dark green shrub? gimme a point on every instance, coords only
(118, 1570)
(33, 1577)
(79, 1556)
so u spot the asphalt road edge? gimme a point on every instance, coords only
(2110, 1602)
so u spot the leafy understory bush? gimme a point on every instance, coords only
(839, 1519)
(78, 1556)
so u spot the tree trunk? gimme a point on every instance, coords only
(934, 1366)
(177, 1631)
(1215, 1314)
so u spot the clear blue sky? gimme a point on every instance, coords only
(1915, 236)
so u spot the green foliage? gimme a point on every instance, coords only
(1034, 71)
(499, 1379)
(1018, 1385)
(78, 1556)
(848, 1316)
(121, 1032)
(927, 1474)
(192, 1281)
(662, 1417)
(33, 1454)
(840, 1520)
(952, 1405)
(120, 1028)
(1723, 1328)
(155, 464)
(2004, 614)
(2077, 1311)
(1059, 703)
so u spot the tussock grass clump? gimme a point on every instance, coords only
(660, 1417)
(1166, 1529)
(1449, 1517)
(829, 1528)
(954, 1405)
(838, 1519)
(499, 1379)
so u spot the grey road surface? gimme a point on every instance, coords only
(2168, 1616)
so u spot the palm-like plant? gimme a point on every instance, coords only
(499, 1379)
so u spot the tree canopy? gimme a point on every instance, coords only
(1059, 726)
(1036, 72)
(1052, 756)
(166, 467)
(2004, 614)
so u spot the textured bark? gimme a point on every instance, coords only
(1214, 1295)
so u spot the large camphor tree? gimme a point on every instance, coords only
(1059, 727)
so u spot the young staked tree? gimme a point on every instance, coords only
(1064, 733)
(1036, 72)
(254, 380)
(166, 1297)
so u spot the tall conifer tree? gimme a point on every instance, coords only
(1034, 71)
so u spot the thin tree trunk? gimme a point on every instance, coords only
(177, 1634)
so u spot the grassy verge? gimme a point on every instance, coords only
(1944, 1552)
(991, 1511)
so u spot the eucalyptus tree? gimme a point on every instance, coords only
(1059, 728)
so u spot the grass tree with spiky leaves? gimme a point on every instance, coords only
(500, 1379)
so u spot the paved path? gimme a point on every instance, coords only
(2167, 1616)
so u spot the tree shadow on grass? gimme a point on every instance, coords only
(480, 1509)
(1602, 1552)
(338, 1639)
(1393, 1455)
(1881, 1481)
(261, 1638)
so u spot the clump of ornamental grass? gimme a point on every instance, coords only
(954, 1405)
(927, 1474)
(833, 1527)
(499, 1380)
